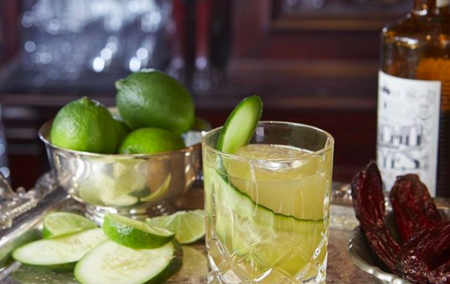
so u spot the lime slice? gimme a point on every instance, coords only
(240, 125)
(104, 190)
(188, 226)
(135, 234)
(62, 223)
(129, 176)
(158, 192)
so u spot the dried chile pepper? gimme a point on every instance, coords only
(369, 205)
(414, 209)
(425, 258)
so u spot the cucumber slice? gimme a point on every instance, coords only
(240, 125)
(59, 252)
(236, 199)
(111, 263)
(246, 229)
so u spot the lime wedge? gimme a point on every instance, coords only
(135, 234)
(62, 223)
(188, 226)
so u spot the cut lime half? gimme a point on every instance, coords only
(58, 224)
(188, 226)
(135, 234)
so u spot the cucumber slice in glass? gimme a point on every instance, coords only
(240, 125)
(59, 252)
(111, 263)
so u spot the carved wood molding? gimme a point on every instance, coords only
(309, 68)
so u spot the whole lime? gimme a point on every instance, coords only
(151, 140)
(154, 99)
(85, 125)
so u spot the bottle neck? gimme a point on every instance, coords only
(431, 7)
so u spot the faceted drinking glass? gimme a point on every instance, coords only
(268, 206)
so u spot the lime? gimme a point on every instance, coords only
(153, 99)
(85, 125)
(150, 141)
(122, 130)
(188, 226)
(135, 234)
(62, 223)
(201, 125)
(158, 192)
(129, 176)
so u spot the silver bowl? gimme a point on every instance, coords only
(132, 185)
(363, 257)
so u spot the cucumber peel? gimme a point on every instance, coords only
(240, 125)
(247, 207)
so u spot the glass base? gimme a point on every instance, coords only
(97, 213)
(230, 277)
(250, 268)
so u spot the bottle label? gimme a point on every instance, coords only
(408, 129)
(442, 3)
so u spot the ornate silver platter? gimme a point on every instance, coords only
(361, 254)
(26, 227)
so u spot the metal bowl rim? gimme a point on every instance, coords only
(361, 263)
(44, 129)
(443, 207)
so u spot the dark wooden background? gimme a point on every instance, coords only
(313, 62)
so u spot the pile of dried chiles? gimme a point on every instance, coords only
(423, 254)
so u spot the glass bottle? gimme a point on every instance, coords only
(414, 97)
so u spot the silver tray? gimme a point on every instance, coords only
(27, 228)
(341, 269)
(361, 254)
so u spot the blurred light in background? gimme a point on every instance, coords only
(65, 38)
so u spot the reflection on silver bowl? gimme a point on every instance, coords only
(132, 185)
(362, 255)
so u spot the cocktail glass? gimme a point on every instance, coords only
(268, 206)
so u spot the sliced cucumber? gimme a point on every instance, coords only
(243, 227)
(234, 198)
(111, 263)
(59, 252)
(240, 125)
